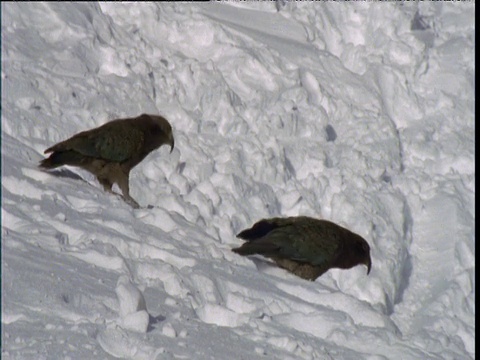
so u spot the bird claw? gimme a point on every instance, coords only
(131, 202)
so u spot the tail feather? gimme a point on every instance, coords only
(57, 159)
(258, 230)
(254, 247)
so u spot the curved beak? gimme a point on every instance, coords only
(368, 263)
(171, 142)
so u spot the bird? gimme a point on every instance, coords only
(111, 150)
(305, 246)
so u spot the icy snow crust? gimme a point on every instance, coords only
(360, 113)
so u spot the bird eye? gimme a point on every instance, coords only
(363, 247)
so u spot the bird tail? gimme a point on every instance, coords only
(257, 247)
(258, 230)
(242, 250)
(57, 159)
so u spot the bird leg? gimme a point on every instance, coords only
(113, 173)
(303, 270)
(107, 185)
(122, 182)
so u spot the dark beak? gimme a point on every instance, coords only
(368, 263)
(172, 143)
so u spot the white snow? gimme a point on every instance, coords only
(360, 113)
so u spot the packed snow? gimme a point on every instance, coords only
(359, 113)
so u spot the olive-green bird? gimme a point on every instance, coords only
(112, 150)
(305, 246)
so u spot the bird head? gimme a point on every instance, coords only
(161, 131)
(356, 251)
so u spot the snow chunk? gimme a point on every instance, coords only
(219, 315)
(133, 309)
(169, 331)
(130, 298)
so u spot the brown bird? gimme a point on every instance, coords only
(112, 150)
(305, 246)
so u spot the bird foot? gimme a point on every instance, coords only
(131, 202)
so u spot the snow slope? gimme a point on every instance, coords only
(360, 113)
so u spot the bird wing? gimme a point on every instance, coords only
(297, 239)
(113, 141)
(304, 244)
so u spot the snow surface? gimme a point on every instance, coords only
(360, 113)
